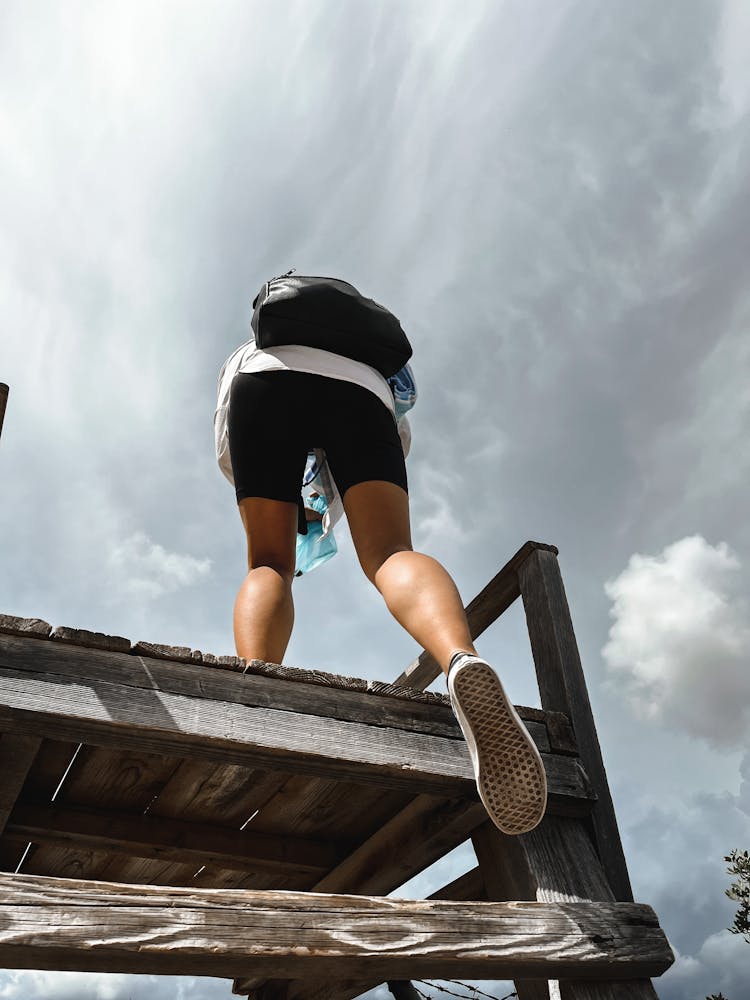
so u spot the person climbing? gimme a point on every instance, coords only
(290, 413)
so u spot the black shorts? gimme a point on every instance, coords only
(276, 417)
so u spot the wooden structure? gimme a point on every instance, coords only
(154, 800)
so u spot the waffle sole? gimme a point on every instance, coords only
(511, 780)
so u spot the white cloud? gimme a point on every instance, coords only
(679, 644)
(676, 853)
(147, 570)
(108, 986)
(721, 964)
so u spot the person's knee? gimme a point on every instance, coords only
(271, 569)
(372, 562)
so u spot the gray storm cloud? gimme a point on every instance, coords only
(552, 197)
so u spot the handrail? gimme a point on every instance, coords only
(494, 599)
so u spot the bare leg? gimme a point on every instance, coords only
(417, 590)
(264, 610)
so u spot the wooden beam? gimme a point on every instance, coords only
(423, 714)
(172, 840)
(93, 927)
(554, 862)
(491, 602)
(290, 693)
(17, 753)
(402, 989)
(97, 699)
(412, 840)
(562, 686)
(466, 887)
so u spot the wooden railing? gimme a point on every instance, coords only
(533, 574)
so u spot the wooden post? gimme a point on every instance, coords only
(563, 689)
(402, 989)
(555, 862)
(17, 754)
(4, 390)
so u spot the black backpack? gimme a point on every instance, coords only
(329, 314)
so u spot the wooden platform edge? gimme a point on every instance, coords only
(61, 924)
(113, 700)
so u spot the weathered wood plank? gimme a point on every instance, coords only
(98, 778)
(89, 926)
(105, 713)
(45, 774)
(562, 686)
(196, 681)
(469, 886)
(156, 722)
(491, 602)
(408, 843)
(200, 792)
(172, 840)
(421, 833)
(556, 862)
(25, 627)
(217, 794)
(17, 754)
(401, 848)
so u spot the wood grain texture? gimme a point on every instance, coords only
(494, 599)
(26, 627)
(192, 680)
(98, 778)
(88, 926)
(108, 714)
(91, 640)
(195, 844)
(44, 776)
(562, 686)
(423, 831)
(466, 887)
(17, 754)
(79, 699)
(555, 862)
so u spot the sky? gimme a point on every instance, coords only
(552, 197)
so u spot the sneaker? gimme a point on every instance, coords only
(507, 765)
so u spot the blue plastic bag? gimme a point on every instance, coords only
(404, 390)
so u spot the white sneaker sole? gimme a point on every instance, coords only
(508, 767)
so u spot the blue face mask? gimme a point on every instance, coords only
(313, 549)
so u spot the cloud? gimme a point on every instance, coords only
(722, 964)
(146, 570)
(676, 853)
(678, 647)
(553, 202)
(108, 986)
